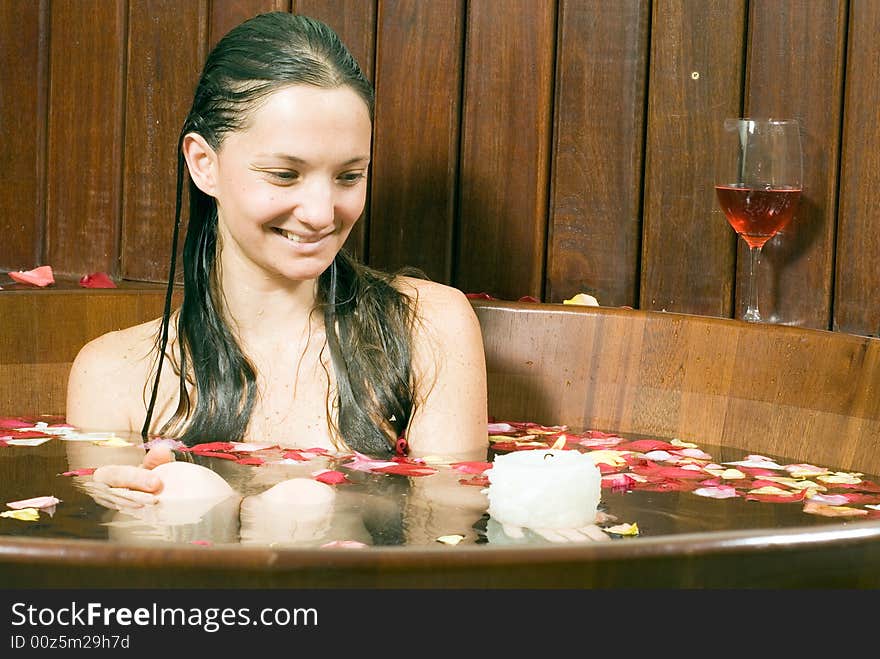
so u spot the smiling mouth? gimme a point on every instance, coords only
(294, 238)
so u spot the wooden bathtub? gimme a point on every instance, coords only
(808, 395)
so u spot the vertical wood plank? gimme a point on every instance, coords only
(506, 135)
(688, 247)
(595, 223)
(415, 155)
(23, 94)
(83, 198)
(165, 54)
(355, 23)
(795, 68)
(856, 307)
(226, 14)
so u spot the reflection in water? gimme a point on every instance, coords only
(215, 501)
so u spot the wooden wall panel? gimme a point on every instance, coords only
(355, 23)
(506, 135)
(159, 92)
(510, 142)
(23, 91)
(695, 80)
(795, 68)
(415, 155)
(226, 14)
(857, 280)
(85, 137)
(595, 215)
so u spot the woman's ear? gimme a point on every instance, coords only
(201, 160)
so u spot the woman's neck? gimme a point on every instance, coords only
(259, 308)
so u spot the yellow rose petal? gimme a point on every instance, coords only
(608, 457)
(25, 514)
(681, 444)
(623, 529)
(771, 489)
(582, 299)
(841, 478)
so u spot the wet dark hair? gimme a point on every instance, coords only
(368, 322)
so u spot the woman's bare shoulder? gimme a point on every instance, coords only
(106, 383)
(120, 348)
(432, 298)
(444, 314)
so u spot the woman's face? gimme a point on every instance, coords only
(291, 185)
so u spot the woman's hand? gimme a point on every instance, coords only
(125, 486)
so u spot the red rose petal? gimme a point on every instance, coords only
(480, 481)
(251, 460)
(97, 280)
(216, 454)
(407, 470)
(332, 477)
(472, 467)
(213, 446)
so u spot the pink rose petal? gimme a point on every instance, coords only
(35, 502)
(41, 276)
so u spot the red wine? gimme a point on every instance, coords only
(757, 214)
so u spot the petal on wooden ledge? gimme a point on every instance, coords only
(41, 276)
(97, 280)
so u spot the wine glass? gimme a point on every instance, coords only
(758, 184)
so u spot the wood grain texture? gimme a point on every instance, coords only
(809, 395)
(599, 110)
(85, 136)
(806, 394)
(688, 248)
(857, 277)
(795, 69)
(226, 14)
(23, 98)
(541, 156)
(165, 52)
(50, 328)
(505, 155)
(415, 155)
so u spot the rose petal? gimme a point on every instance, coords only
(41, 276)
(25, 514)
(330, 476)
(97, 280)
(35, 502)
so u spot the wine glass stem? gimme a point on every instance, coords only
(752, 314)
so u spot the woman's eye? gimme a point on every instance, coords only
(350, 178)
(284, 175)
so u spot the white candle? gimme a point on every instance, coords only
(544, 489)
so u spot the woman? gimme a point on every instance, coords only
(282, 337)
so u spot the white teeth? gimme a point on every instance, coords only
(292, 237)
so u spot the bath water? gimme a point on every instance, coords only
(369, 508)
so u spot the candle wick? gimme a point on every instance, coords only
(548, 455)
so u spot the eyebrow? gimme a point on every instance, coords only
(300, 161)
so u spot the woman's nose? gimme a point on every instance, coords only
(315, 204)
